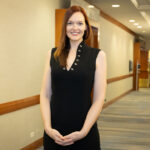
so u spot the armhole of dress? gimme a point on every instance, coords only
(97, 52)
(52, 51)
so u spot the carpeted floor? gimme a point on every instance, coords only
(125, 125)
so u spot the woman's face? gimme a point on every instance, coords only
(75, 27)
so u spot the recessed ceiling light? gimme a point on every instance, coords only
(91, 6)
(143, 31)
(139, 26)
(136, 24)
(116, 5)
(131, 20)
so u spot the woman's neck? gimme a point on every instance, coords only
(74, 44)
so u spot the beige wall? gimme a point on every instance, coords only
(27, 32)
(118, 45)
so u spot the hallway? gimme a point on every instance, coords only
(125, 125)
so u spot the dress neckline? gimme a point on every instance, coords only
(77, 58)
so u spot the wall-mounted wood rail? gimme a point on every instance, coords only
(119, 78)
(34, 100)
(19, 104)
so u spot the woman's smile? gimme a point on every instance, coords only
(75, 33)
(76, 27)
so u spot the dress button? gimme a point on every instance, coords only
(75, 63)
(80, 45)
(64, 68)
(77, 59)
(78, 55)
(72, 69)
(79, 50)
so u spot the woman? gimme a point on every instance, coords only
(71, 71)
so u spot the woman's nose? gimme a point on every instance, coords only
(75, 26)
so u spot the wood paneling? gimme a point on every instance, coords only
(143, 74)
(19, 104)
(59, 15)
(144, 65)
(136, 58)
(93, 40)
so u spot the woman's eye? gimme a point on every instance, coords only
(69, 23)
(80, 23)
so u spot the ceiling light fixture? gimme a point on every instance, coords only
(91, 6)
(131, 20)
(139, 26)
(115, 5)
(136, 24)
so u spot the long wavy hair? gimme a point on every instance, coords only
(62, 50)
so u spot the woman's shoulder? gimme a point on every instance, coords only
(98, 53)
(93, 50)
(50, 51)
(101, 56)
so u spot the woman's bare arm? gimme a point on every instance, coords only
(45, 94)
(98, 93)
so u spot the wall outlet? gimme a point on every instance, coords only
(32, 134)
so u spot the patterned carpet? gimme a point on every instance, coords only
(125, 125)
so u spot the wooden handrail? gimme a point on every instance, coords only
(19, 104)
(34, 100)
(119, 78)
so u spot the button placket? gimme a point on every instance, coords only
(76, 61)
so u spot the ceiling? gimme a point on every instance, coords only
(139, 10)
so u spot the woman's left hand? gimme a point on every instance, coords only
(75, 136)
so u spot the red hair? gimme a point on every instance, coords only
(64, 45)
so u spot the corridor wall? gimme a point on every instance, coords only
(27, 30)
(118, 45)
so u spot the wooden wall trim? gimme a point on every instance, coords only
(19, 104)
(119, 78)
(34, 100)
(33, 146)
(116, 99)
(114, 21)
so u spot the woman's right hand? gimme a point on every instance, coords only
(58, 138)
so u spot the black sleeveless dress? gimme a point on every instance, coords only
(71, 99)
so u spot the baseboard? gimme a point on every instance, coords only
(33, 146)
(116, 99)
